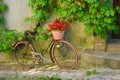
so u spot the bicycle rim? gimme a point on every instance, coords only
(23, 55)
(64, 55)
(51, 53)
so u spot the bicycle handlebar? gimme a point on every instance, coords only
(29, 34)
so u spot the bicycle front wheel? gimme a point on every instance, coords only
(23, 54)
(64, 55)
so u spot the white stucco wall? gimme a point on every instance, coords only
(17, 11)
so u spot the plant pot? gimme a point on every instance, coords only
(57, 35)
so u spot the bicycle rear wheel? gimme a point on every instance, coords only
(64, 55)
(23, 54)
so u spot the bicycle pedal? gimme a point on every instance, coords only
(40, 61)
(34, 53)
(37, 66)
(58, 46)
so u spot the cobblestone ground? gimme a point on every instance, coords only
(78, 74)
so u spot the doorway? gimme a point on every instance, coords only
(112, 35)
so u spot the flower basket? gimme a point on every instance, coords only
(57, 35)
(57, 29)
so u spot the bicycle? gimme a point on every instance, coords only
(62, 53)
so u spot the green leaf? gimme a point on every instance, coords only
(118, 9)
(1, 20)
(3, 7)
(44, 3)
(107, 20)
(94, 72)
(112, 12)
(92, 10)
(107, 13)
(89, 73)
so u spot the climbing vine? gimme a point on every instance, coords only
(41, 10)
(98, 15)
(7, 37)
(3, 8)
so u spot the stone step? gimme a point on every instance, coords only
(100, 59)
(112, 47)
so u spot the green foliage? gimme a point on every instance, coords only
(18, 77)
(49, 78)
(7, 37)
(41, 10)
(42, 34)
(118, 9)
(1, 20)
(19, 36)
(88, 73)
(69, 10)
(3, 8)
(98, 15)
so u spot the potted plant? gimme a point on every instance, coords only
(57, 28)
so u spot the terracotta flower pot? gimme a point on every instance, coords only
(57, 35)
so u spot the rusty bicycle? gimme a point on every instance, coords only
(62, 53)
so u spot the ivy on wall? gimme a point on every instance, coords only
(98, 15)
(3, 8)
(41, 10)
(7, 36)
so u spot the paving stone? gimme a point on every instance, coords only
(79, 74)
(2, 78)
(103, 74)
(116, 77)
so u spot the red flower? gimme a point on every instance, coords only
(57, 25)
(51, 26)
(56, 21)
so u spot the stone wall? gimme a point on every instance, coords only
(76, 36)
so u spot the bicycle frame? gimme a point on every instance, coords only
(31, 40)
(54, 45)
(34, 44)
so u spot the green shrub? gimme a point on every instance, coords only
(7, 37)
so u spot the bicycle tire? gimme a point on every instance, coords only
(64, 55)
(22, 56)
(51, 54)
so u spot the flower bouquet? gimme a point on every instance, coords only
(58, 28)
